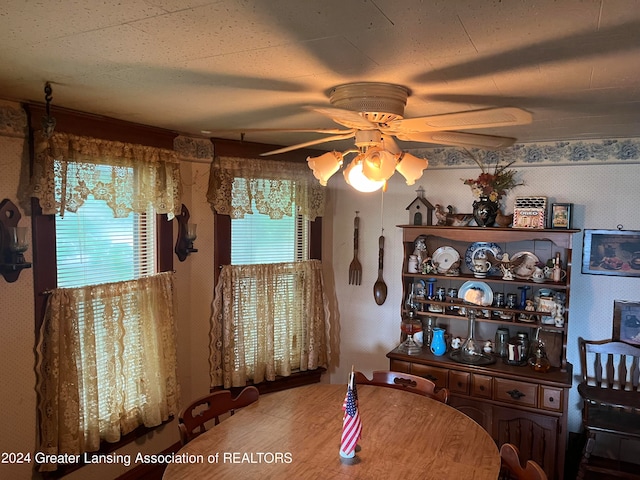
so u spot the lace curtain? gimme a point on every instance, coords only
(106, 363)
(267, 320)
(274, 186)
(129, 177)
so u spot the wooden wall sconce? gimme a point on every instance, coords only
(13, 242)
(186, 235)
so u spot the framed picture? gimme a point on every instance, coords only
(561, 215)
(611, 252)
(626, 322)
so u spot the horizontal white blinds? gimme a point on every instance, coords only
(93, 247)
(258, 239)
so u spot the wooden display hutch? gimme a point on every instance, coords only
(513, 403)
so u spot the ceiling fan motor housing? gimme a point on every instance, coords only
(377, 102)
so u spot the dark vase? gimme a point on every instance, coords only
(485, 211)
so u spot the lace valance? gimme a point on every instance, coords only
(127, 176)
(274, 186)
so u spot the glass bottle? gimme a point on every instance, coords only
(410, 304)
(427, 335)
(471, 350)
(502, 340)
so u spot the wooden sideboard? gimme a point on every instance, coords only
(513, 403)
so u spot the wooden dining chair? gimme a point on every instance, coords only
(511, 466)
(610, 390)
(192, 419)
(404, 381)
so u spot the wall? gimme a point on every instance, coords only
(603, 197)
(17, 377)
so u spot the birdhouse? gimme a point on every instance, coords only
(420, 210)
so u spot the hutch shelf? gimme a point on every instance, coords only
(513, 403)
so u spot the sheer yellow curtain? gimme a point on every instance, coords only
(64, 174)
(106, 363)
(274, 186)
(267, 320)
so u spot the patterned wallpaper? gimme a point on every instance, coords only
(610, 151)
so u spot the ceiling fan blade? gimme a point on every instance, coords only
(309, 144)
(458, 139)
(390, 144)
(328, 131)
(347, 118)
(485, 118)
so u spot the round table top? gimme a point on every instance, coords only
(296, 433)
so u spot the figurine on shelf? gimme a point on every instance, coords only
(505, 264)
(558, 316)
(453, 270)
(428, 266)
(488, 347)
(450, 218)
(529, 307)
(420, 250)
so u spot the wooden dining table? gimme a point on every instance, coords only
(295, 434)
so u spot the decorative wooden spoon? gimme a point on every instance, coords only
(380, 288)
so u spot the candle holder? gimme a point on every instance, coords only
(13, 242)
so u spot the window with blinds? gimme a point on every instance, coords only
(93, 247)
(257, 239)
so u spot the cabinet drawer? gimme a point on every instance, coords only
(435, 374)
(400, 366)
(459, 382)
(481, 386)
(551, 398)
(511, 391)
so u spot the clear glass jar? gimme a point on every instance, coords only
(471, 350)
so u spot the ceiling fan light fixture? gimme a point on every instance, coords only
(378, 164)
(353, 176)
(411, 167)
(325, 165)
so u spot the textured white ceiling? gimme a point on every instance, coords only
(190, 65)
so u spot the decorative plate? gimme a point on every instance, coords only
(479, 248)
(476, 293)
(526, 268)
(445, 257)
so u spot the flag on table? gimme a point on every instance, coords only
(351, 423)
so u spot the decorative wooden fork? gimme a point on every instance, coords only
(355, 269)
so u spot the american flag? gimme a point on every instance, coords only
(351, 423)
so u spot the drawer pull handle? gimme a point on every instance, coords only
(459, 384)
(482, 388)
(431, 377)
(516, 394)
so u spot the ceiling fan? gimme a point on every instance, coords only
(373, 114)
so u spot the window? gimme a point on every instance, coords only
(268, 315)
(107, 351)
(93, 247)
(258, 239)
